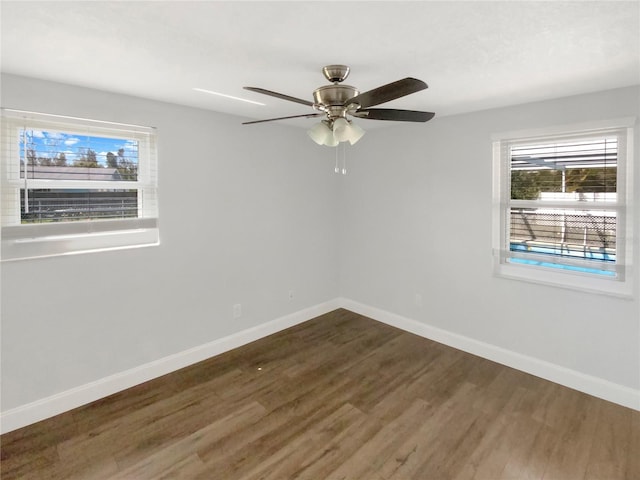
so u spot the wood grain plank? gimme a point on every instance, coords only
(367, 461)
(184, 451)
(612, 444)
(570, 458)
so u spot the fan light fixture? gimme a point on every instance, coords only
(331, 134)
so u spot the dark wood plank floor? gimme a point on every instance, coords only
(338, 397)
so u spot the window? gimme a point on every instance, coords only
(561, 206)
(72, 185)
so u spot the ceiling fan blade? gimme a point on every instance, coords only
(308, 115)
(279, 95)
(387, 92)
(393, 114)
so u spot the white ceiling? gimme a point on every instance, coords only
(474, 55)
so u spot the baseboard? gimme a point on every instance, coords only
(591, 385)
(62, 402)
(50, 406)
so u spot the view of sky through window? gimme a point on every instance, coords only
(51, 148)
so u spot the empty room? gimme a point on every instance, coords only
(368, 240)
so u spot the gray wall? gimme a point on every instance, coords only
(247, 213)
(416, 219)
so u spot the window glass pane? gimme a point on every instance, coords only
(53, 155)
(580, 170)
(65, 205)
(575, 234)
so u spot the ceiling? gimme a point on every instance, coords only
(474, 55)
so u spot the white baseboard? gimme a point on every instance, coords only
(55, 404)
(591, 385)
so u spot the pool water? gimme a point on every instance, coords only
(604, 257)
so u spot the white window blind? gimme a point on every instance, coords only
(73, 185)
(562, 211)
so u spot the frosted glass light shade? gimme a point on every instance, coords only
(345, 131)
(320, 133)
(341, 129)
(331, 141)
(355, 133)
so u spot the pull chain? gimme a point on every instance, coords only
(337, 168)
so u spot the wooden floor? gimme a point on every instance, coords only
(338, 397)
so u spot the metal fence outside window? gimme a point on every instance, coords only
(65, 205)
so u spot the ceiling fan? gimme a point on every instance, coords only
(335, 102)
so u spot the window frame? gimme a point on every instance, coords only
(20, 241)
(620, 285)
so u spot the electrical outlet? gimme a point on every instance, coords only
(237, 310)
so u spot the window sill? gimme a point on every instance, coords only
(602, 285)
(22, 242)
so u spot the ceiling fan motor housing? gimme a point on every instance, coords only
(331, 98)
